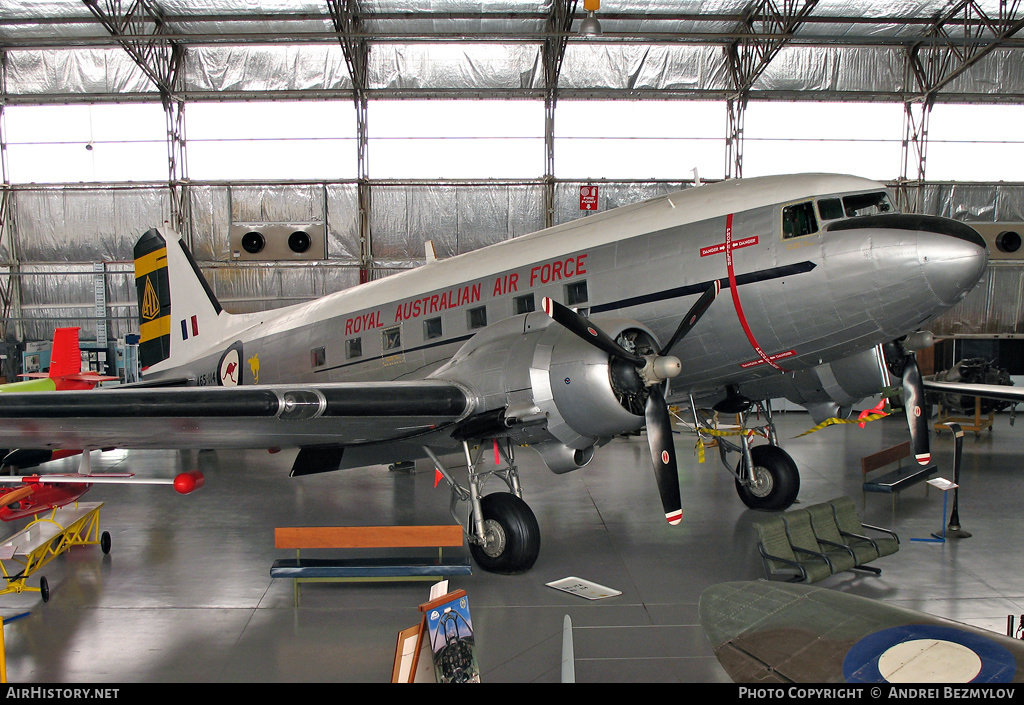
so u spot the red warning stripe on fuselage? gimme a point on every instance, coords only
(736, 297)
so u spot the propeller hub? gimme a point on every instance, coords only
(662, 367)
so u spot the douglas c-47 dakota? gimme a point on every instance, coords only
(809, 287)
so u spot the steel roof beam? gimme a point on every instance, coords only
(770, 25)
(147, 37)
(933, 66)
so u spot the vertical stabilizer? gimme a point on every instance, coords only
(178, 312)
(66, 358)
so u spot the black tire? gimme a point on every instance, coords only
(44, 589)
(511, 524)
(105, 542)
(779, 480)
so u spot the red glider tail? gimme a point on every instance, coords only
(66, 358)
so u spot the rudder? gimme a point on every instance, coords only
(170, 287)
(66, 357)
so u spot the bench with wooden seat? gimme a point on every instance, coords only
(808, 545)
(363, 566)
(898, 479)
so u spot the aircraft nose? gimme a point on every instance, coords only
(951, 255)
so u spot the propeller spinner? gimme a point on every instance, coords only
(654, 370)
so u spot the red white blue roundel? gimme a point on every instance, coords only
(928, 653)
(229, 371)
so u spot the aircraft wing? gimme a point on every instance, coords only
(270, 416)
(770, 632)
(988, 391)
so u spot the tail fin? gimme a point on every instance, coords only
(66, 358)
(176, 304)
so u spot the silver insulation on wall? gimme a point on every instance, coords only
(60, 232)
(428, 48)
(406, 68)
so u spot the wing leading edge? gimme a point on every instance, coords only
(989, 391)
(271, 416)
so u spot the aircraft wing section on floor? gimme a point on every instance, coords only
(767, 632)
(988, 391)
(270, 416)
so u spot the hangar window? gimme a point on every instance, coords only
(477, 317)
(524, 304)
(867, 204)
(798, 220)
(830, 208)
(318, 357)
(392, 338)
(353, 348)
(432, 328)
(576, 293)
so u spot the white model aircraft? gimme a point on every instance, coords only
(559, 340)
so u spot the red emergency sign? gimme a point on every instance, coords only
(588, 198)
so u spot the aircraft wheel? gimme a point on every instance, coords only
(513, 535)
(776, 480)
(105, 542)
(44, 589)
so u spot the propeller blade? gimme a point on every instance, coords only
(913, 401)
(663, 454)
(588, 331)
(693, 315)
(15, 495)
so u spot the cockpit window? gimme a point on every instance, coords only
(798, 220)
(830, 208)
(867, 204)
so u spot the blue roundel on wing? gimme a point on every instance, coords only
(860, 665)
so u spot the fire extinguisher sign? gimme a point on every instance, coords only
(588, 198)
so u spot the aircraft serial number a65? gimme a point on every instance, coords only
(808, 287)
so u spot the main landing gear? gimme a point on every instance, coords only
(766, 476)
(503, 533)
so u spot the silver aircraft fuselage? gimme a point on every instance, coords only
(794, 298)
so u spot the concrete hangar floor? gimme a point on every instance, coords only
(185, 594)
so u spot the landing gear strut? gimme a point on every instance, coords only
(502, 531)
(766, 476)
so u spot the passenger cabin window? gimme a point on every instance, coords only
(576, 293)
(477, 317)
(830, 208)
(318, 357)
(353, 348)
(524, 304)
(798, 220)
(392, 338)
(867, 204)
(432, 328)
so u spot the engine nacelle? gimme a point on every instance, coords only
(542, 385)
(833, 388)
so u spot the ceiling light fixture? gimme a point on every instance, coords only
(590, 27)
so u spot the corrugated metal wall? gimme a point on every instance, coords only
(61, 232)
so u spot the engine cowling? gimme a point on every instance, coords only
(833, 388)
(542, 385)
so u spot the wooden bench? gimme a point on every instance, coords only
(365, 567)
(901, 477)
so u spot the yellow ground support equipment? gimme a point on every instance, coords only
(45, 538)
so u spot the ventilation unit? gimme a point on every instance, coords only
(278, 241)
(1004, 239)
